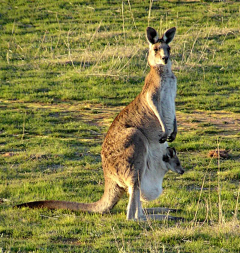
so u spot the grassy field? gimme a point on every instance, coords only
(66, 69)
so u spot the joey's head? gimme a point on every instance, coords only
(172, 162)
(159, 50)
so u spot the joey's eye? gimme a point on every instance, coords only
(165, 158)
(155, 50)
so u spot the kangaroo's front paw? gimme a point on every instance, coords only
(163, 138)
(172, 136)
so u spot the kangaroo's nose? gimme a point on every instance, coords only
(165, 59)
(180, 171)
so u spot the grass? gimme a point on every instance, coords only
(67, 69)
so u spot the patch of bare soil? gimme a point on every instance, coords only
(226, 123)
(99, 115)
(96, 114)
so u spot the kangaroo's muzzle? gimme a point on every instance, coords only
(165, 59)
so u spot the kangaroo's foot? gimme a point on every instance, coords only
(160, 217)
(156, 210)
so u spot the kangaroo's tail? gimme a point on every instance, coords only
(112, 194)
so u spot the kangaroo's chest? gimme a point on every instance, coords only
(167, 100)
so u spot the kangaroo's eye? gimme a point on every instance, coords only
(155, 50)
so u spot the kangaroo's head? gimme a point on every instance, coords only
(159, 50)
(172, 161)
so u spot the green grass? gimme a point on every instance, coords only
(66, 70)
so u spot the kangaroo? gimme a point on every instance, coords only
(135, 154)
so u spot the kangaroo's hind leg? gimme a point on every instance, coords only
(134, 209)
(133, 161)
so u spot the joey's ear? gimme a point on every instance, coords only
(169, 35)
(171, 152)
(174, 151)
(152, 35)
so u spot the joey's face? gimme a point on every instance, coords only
(172, 161)
(159, 54)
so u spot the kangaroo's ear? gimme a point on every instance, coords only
(169, 35)
(152, 35)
